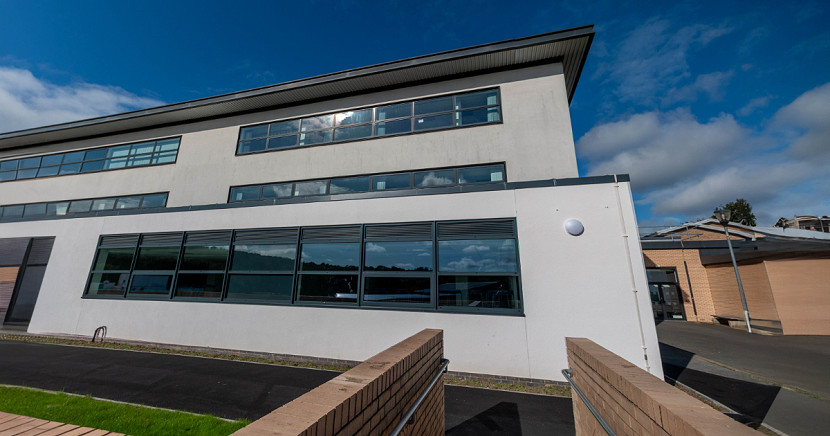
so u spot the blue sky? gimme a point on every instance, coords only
(701, 102)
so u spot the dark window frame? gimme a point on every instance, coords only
(361, 273)
(373, 123)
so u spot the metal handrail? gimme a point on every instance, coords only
(568, 373)
(102, 330)
(409, 416)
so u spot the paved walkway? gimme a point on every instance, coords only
(248, 390)
(782, 381)
(24, 426)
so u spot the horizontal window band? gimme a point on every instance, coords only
(374, 121)
(123, 156)
(430, 178)
(394, 276)
(84, 206)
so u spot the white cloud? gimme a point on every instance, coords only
(467, 264)
(807, 119)
(711, 84)
(476, 248)
(755, 103)
(682, 167)
(27, 101)
(375, 248)
(652, 59)
(658, 148)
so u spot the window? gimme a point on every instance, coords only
(464, 266)
(262, 265)
(155, 265)
(60, 208)
(479, 107)
(377, 182)
(398, 264)
(203, 264)
(97, 159)
(329, 265)
(478, 265)
(112, 265)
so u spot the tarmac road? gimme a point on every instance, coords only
(236, 390)
(782, 381)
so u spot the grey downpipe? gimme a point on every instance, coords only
(631, 275)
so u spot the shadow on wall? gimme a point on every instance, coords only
(751, 400)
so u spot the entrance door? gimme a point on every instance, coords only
(666, 299)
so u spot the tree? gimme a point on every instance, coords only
(741, 212)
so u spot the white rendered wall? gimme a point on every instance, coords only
(572, 286)
(535, 140)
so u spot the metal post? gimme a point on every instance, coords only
(738, 276)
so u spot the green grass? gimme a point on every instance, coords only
(105, 415)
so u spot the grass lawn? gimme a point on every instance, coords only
(121, 418)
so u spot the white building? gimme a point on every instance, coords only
(426, 192)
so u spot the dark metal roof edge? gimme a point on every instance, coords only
(556, 36)
(582, 61)
(573, 181)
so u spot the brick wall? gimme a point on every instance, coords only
(699, 279)
(370, 398)
(801, 288)
(759, 297)
(634, 402)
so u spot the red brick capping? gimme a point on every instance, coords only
(370, 398)
(634, 402)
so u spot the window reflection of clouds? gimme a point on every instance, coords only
(409, 256)
(321, 122)
(340, 254)
(435, 178)
(477, 255)
(268, 250)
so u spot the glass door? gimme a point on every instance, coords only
(666, 299)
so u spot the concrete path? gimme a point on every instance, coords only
(24, 426)
(248, 390)
(782, 381)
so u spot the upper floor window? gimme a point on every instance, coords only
(446, 112)
(156, 152)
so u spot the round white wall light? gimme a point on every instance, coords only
(574, 227)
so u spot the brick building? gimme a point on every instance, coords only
(785, 274)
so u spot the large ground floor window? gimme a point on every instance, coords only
(469, 266)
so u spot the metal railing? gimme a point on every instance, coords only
(568, 374)
(102, 330)
(409, 416)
